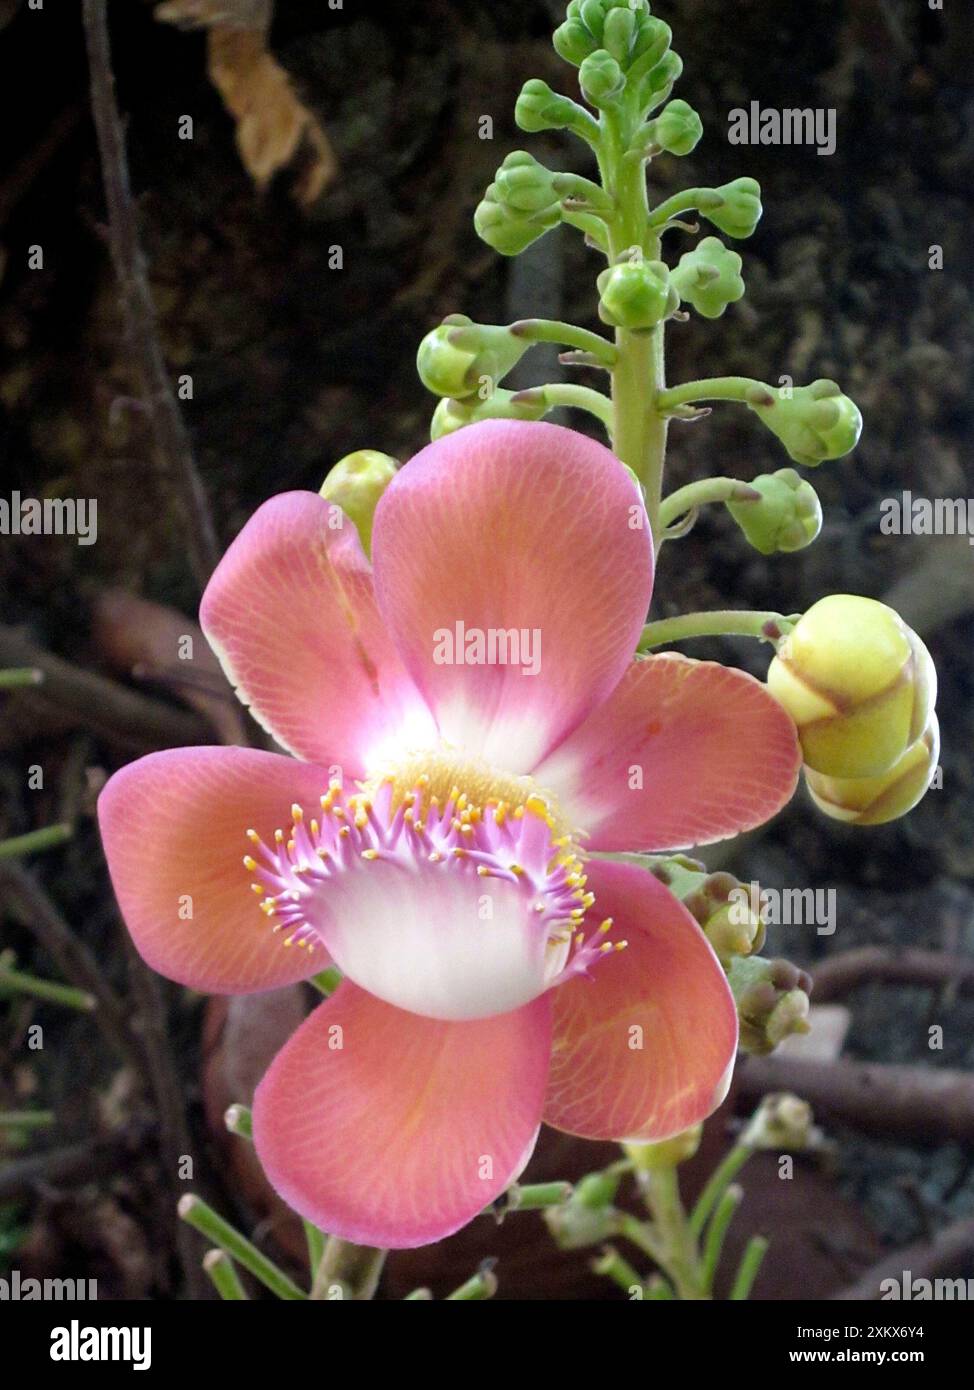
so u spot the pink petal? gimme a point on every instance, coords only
(291, 613)
(682, 753)
(390, 1129)
(174, 827)
(513, 525)
(643, 1048)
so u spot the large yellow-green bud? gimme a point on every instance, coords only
(876, 800)
(859, 684)
(787, 517)
(355, 484)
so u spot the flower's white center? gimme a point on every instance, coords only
(452, 903)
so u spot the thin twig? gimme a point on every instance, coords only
(82, 1162)
(30, 905)
(171, 438)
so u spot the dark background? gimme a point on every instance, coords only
(294, 364)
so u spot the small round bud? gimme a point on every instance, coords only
(504, 229)
(453, 415)
(573, 41)
(814, 423)
(709, 277)
(739, 211)
(636, 294)
(654, 87)
(787, 517)
(859, 684)
(602, 79)
(677, 129)
(355, 484)
(781, 1121)
(665, 1153)
(619, 33)
(524, 184)
(462, 358)
(653, 38)
(772, 1001)
(876, 800)
(540, 108)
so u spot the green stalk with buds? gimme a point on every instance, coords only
(626, 73)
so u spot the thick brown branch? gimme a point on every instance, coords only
(948, 1252)
(929, 1103)
(169, 433)
(120, 716)
(840, 974)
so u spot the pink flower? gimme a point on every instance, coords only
(448, 880)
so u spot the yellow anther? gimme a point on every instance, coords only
(605, 926)
(258, 888)
(297, 814)
(253, 837)
(516, 870)
(279, 837)
(315, 827)
(370, 854)
(250, 863)
(618, 945)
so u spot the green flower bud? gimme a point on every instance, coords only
(665, 1153)
(788, 516)
(458, 357)
(602, 78)
(524, 184)
(876, 800)
(781, 1121)
(709, 277)
(740, 210)
(727, 911)
(619, 34)
(772, 1001)
(588, 1217)
(677, 129)
(658, 82)
(539, 108)
(814, 423)
(573, 41)
(355, 484)
(636, 294)
(653, 38)
(452, 415)
(859, 684)
(508, 230)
